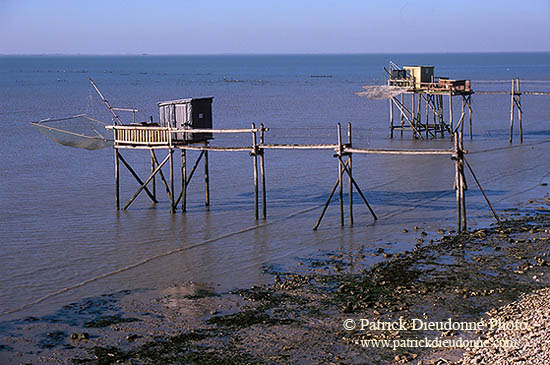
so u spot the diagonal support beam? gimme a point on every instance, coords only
(162, 177)
(482, 191)
(137, 177)
(188, 179)
(358, 189)
(405, 112)
(157, 169)
(327, 203)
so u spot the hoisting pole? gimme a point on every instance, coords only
(105, 101)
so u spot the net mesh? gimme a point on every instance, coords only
(381, 92)
(79, 131)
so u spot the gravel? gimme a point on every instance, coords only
(531, 334)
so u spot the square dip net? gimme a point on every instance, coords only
(78, 131)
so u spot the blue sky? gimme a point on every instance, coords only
(270, 26)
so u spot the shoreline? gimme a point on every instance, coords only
(299, 317)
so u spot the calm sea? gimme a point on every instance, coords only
(59, 228)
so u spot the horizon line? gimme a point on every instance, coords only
(268, 54)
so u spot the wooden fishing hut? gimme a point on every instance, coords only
(427, 93)
(174, 115)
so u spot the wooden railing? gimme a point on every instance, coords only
(138, 135)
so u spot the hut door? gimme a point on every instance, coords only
(181, 119)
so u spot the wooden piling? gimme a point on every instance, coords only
(441, 111)
(401, 113)
(413, 116)
(262, 173)
(512, 94)
(171, 193)
(520, 112)
(391, 117)
(349, 145)
(183, 180)
(255, 166)
(340, 175)
(427, 115)
(154, 181)
(462, 185)
(117, 183)
(457, 187)
(206, 178)
(470, 115)
(451, 111)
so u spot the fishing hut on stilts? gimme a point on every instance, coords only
(184, 125)
(417, 101)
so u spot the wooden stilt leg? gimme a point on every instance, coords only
(457, 186)
(413, 115)
(520, 112)
(470, 116)
(206, 179)
(451, 112)
(183, 180)
(154, 181)
(441, 119)
(512, 111)
(350, 177)
(262, 174)
(117, 183)
(391, 117)
(401, 114)
(341, 191)
(255, 166)
(172, 206)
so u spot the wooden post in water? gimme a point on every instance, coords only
(469, 102)
(520, 112)
(206, 178)
(457, 186)
(451, 111)
(512, 94)
(254, 154)
(350, 177)
(340, 173)
(401, 113)
(183, 180)
(427, 114)
(441, 111)
(413, 115)
(463, 186)
(460, 180)
(391, 117)
(154, 182)
(117, 183)
(262, 173)
(171, 192)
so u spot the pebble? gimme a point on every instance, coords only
(80, 336)
(531, 345)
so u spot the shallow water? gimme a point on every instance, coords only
(60, 229)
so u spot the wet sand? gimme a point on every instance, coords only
(300, 316)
